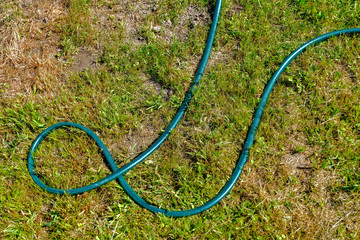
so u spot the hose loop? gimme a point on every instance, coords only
(118, 173)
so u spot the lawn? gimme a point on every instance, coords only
(122, 67)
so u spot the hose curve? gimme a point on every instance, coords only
(119, 172)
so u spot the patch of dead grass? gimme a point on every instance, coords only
(133, 16)
(30, 42)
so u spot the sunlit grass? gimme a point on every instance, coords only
(303, 173)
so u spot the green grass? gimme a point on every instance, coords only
(303, 174)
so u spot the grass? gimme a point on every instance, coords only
(303, 173)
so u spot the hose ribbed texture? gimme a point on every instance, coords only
(118, 173)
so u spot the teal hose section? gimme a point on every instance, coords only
(118, 173)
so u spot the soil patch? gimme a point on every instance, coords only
(134, 142)
(85, 60)
(157, 88)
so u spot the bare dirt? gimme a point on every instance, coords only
(134, 142)
(85, 60)
(156, 88)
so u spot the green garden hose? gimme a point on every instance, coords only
(119, 173)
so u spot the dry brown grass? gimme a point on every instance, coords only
(30, 42)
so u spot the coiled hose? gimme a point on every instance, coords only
(119, 173)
